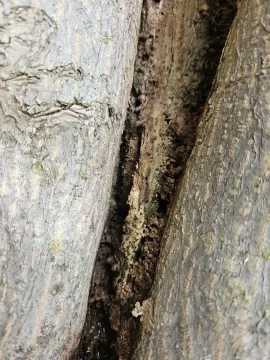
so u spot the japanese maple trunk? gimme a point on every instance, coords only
(65, 75)
(211, 298)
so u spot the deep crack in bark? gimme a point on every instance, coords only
(172, 80)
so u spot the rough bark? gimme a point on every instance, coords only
(211, 294)
(65, 74)
(179, 47)
(180, 44)
(176, 63)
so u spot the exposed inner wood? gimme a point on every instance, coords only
(179, 49)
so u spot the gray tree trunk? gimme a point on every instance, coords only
(211, 298)
(65, 75)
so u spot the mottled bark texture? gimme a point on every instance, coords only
(65, 74)
(211, 294)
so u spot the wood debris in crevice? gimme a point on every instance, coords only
(178, 53)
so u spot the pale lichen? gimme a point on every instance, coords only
(243, 295)
(266, 254)
(38, 168)
(55, 246)
(84, 176)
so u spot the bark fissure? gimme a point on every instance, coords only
(178, 53)
(215, 305)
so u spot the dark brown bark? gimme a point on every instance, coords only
(211, 294)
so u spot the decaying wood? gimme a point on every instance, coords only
(65, 75)
(211, 295)
(179, 47)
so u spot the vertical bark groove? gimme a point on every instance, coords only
(178, 52)
(215, 304)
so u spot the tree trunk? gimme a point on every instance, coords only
(211, 295)
(65, 75)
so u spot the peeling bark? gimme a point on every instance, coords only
(65, 75)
